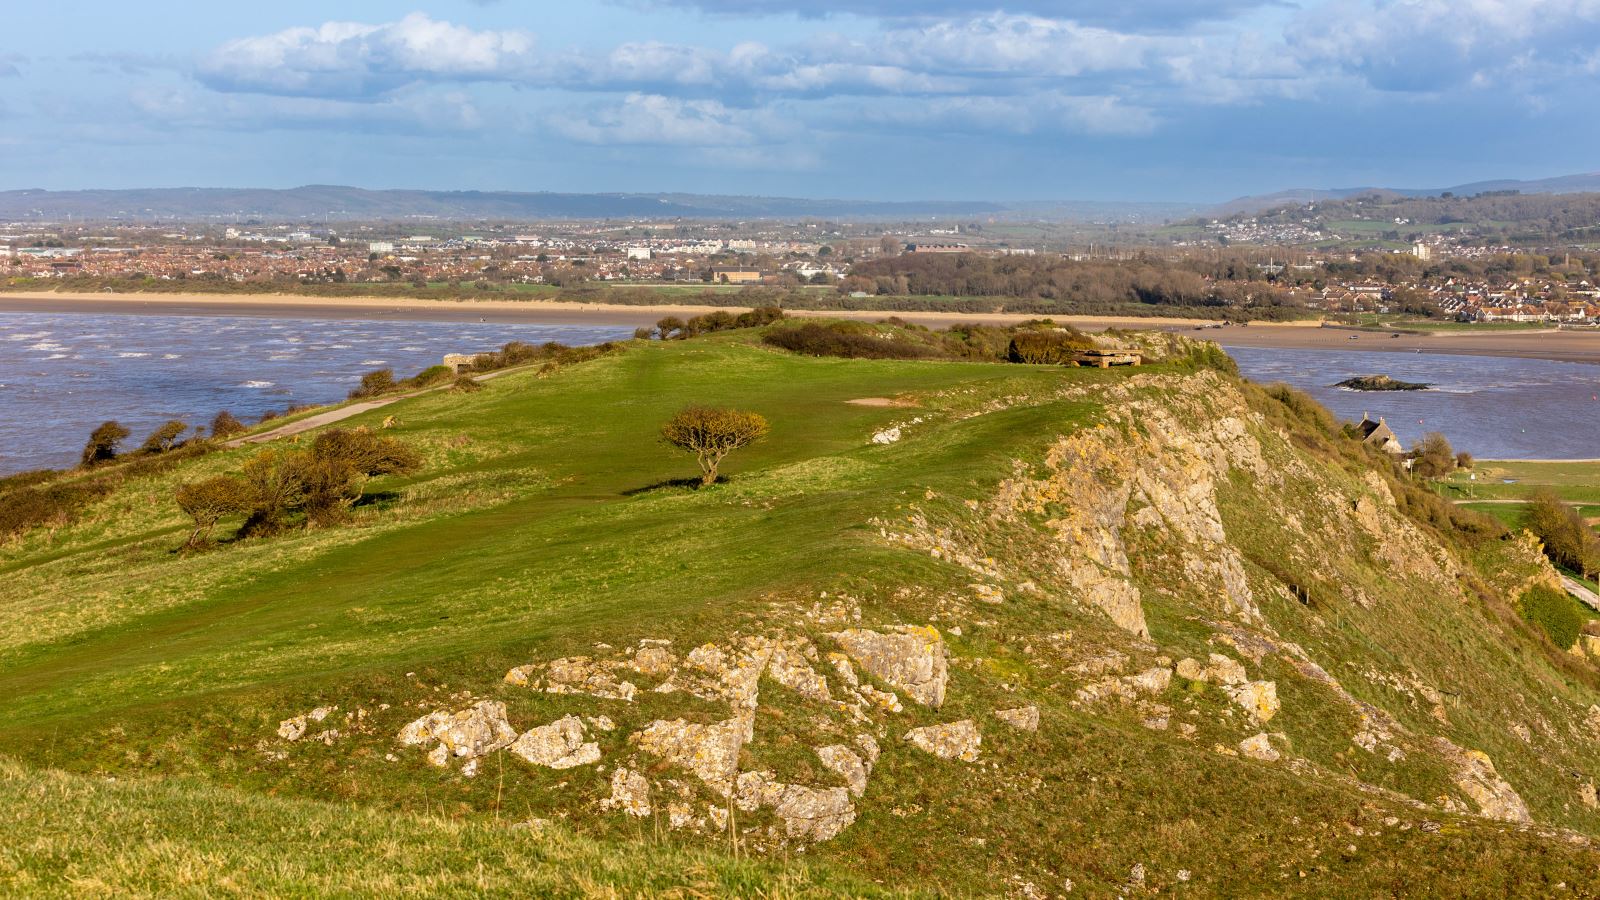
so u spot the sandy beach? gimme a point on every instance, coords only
(1568, 346)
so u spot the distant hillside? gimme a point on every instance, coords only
(325, 202)
(1502, 216)
(1565, 184)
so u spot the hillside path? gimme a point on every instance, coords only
(345, 412)
(1580, 590)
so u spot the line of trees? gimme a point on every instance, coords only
(1082, 285)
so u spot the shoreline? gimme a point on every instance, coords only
(1560, 346)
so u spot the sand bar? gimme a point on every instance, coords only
(1565, 345)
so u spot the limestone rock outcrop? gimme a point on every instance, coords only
(559, 745)
(911, 659)
(467, 734)
(952, 740)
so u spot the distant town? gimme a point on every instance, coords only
(1249, 265)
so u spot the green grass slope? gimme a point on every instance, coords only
(1146, 557)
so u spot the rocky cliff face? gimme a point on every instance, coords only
(1178, 575)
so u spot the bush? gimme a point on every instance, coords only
(431, 376)
(103, 441)
(466, 384)
(320, 482)
(224, 426)
(1568, 540)
(847, 340)
(711, 433)
(375, 383)
(208, 501)
(164, 438)
(25, 508)
(1055, 348)
(1554, 613)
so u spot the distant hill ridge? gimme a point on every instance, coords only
(1564, 184)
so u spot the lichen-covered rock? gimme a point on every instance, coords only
(1259, 747)
(733, 674)
(711, 752)
(1258, 698)
(1128, 688)
(813, 814)
(808, 814)
(1225, 670)
(470, 733)
(295, 728)
(630, 792)
(912, 659)
(952, 740)
(1475, 775)
(582, 675)
(559, 745)
(292, 729)
(654, 661)
(790, 668)
(847, 764)
(1023, 718)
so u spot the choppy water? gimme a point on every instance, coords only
(63, 374)
(1492, 407)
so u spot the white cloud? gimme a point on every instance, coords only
(654, 119)
(351, 59)
(1433, 45)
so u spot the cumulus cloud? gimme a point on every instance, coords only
(1041, 67)
(354, 60)
(657, 120)
(1432, 45)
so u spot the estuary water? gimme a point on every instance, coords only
(1492, 407)
(63, 374)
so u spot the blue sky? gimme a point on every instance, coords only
(1194, 100)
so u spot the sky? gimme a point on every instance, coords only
(1154, 100)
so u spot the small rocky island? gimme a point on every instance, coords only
(1381, 383)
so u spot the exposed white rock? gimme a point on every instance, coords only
(654, 661)
(1475, 775)
(952, 740)
(1023, 718)
(988, 593)
(1259, 747)
(1259, 698)
(295, 728)
(869, 749)
(912, 659)
(789, 667)
(473, 732)
(847, 764)
(709, 751)
(630, 792)
(809, 814)
(559, 745)
(582, 675)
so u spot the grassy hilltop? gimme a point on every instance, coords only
(1261, 663)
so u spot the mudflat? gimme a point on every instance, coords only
(1564, 344)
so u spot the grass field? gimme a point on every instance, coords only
(143, 687)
